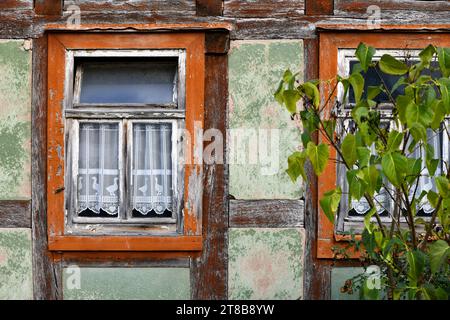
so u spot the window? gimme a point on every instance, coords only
(123, 141)
(351, 214)
(337, 56)
(121, 116)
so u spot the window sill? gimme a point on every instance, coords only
(124, 243)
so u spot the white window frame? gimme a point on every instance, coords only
(346, 223)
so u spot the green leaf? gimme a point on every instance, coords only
(418, 113)
(279, 93)
(305, 137)
(312, 92)
(394, 241)
(360, 113)
(402, 103)
(416, 263)
(418, 132)
(348, 147)
(430, 292)
(329, 126)
(357, 82)
(401, 81)
(373, 179)
(432, 165)
(296, 165)
(395, 139)
(426, 55)
(392, 66)
(439, 114)
(330, 203)
(413, 169)
(439, 252)
(444, 61)
(318, 155)
(442, 185)
(289, 79)
(412, 114)
(433, 198)
(291, 97)
(367, 133)
(363, 156)
(367, 218)
(394, 167)
(364, 54)
(373, 92)
(444, 87)
(310, 120)
(357, 186)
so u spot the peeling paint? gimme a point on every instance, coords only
(195, 191)
(338, 278)
(255, 68)
(15, 119)
(266, 263)
(15, 264)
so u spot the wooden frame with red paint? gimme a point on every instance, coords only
(58, 43)
(329, 45)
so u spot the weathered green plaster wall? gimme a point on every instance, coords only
(15, 119)
(265, 263)
(16, 280)
(338, 278)
(255, 69)
(126, 283)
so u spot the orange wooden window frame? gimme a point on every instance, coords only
(329, 44)
(58, 43)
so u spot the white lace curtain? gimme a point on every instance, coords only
(98, 168)
(151, 185)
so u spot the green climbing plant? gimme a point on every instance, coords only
(411, 251)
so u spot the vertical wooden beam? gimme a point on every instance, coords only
(45, 273)
(319, 7)
(48, 7)
(317, 272)
(209, 278)
(209, 7)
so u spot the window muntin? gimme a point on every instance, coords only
(108, 160)
(351, 214)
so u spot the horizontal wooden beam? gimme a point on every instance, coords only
(319, 7)
(48, 7)
(266, 213)
(15, 214)
(120, 260)
(209, 7)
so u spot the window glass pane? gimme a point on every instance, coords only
(98, 170)
(372, 79)
(152, 82)
(151, 186)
